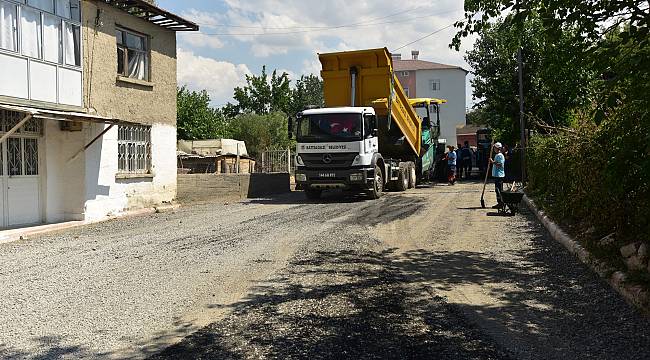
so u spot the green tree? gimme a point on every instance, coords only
(261, 95)
(555, 82)
(476, 116)
(196, 120)
(591, 19)
(308, 92)
(261, 132)
(613, 38)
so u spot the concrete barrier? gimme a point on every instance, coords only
(194, 188)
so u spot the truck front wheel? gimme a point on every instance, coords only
(377, 184)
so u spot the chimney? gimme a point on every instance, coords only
(415, 54)
(396, 56)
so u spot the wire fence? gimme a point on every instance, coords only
(276, 161)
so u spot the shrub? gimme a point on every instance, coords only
(596, 175)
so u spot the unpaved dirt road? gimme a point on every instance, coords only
(422, 274)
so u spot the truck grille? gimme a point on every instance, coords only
(337, 160)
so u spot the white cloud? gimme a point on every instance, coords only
(200, 39)
(297, 27)
(291, 74)
(218, 78)
(311, 66)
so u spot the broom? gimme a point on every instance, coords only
(486, 175)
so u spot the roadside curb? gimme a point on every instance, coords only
(9, 236)
(634, 295)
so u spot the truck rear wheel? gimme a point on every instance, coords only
(313, 194)
(377, 184)
(412, 176)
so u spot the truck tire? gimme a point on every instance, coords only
(412, 176)
(313, 194)
(377, 184)
(403, 179)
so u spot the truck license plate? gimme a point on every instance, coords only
(327, 175)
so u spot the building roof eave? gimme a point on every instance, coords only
(153, 14)
(44, 114)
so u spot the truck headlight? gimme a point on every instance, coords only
(299, 161)
(301, 177)
(356, 177)
(356, 161)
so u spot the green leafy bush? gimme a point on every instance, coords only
(596, 175)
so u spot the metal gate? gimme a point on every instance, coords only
(276, 161)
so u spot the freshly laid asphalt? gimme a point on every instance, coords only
(415, 275)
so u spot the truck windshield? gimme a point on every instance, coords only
(330, 127)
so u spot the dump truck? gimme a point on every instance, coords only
(369, 136)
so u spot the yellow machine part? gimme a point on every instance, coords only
(375, 83)
(421, 102)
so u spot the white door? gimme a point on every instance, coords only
(21, 200)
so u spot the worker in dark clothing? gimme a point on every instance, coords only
(466, 155)
(459, 164)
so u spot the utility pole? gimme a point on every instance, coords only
(522, 122)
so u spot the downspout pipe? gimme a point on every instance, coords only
(353, 88)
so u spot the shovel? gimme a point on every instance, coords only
(487, 171)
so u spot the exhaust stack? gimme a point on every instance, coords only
(353, 76)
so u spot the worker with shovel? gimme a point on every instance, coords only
(498, 172)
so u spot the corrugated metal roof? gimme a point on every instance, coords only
(468, 129)
(153, 14)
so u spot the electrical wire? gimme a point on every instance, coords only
(357, 25)
(307, 27)
(424, 37)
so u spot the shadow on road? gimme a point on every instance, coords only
(350, 306)
(299, 198)
(381, 305)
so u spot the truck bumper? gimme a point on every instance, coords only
(346, 179)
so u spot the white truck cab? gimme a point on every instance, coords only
(336, 148)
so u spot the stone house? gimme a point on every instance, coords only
(87, 108)
(429, 79)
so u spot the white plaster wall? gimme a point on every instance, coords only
(62, 181)
(452, 88)
(105, 195)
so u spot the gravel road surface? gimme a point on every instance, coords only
(421, 274)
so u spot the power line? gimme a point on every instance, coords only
(357, 25)
(308, 27)
(424, 37)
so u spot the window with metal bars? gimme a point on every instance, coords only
(22, 146)
(9, 119)
(134, 149)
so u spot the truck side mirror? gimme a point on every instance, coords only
(373, 126)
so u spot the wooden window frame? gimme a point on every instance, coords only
(125, 53)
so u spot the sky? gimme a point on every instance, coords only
(238, 37)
